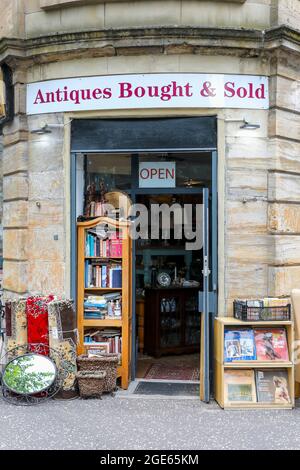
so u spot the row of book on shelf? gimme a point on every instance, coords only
(96, 209)
(261, 344)
(102, 275)
(259, 386)
(110, 245)
(104, 306)
(103, 341)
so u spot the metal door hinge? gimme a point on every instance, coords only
(206, 271)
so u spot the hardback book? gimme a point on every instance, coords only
(239, 386)
(104, 276)
(86, 273)
(116, 277)
(271, 344)
(239, 345)
(272, 386)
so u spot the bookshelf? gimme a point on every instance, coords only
(221, 366)
(91, 235)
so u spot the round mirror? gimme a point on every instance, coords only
(29, 374)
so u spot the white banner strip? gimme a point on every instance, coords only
(179, 90)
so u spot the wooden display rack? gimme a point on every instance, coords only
(221, 365)
(124, 324)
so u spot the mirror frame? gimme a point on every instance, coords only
(32, 393)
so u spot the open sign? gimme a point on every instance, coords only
(157, 175)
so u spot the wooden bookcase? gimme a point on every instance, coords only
(220, 365)
(123, 323)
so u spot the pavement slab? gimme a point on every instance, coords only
(158, 423)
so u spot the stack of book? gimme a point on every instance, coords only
(95, 307)
(95, 246)
(105, 275)
(102, 306)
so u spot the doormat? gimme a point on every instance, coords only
(167, 388)
(163, 371)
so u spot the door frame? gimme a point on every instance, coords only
(213, 291)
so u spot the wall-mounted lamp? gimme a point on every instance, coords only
(42, 130)
(245, 125)
(47, 128)
(248, 125)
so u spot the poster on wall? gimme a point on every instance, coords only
(138, 91)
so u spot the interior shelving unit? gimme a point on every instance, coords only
(123, 323)
(220, 365)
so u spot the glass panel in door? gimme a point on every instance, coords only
(170, 322)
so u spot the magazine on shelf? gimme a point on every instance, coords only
(271, 344)
(272, 386)
(239, 386)
(239, 345)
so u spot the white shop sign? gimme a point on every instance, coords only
(178, 90)
(157, 174)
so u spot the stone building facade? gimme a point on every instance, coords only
(258, 171)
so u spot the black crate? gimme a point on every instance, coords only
(243, 312)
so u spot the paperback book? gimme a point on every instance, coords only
(271, 344)
(239, 345)
(239, 386)
(272, 386)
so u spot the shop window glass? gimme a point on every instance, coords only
(108, 171)
(192, 170)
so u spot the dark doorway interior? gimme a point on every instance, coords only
(167, 310)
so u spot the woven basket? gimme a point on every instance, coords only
(107, 363)
(91, 383)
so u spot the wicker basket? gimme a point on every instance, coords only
(107, 363)
(91, 383)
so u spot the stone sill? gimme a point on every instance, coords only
(55, 4)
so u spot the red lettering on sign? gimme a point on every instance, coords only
(97, 94)
(39, 98)
(241, 92)
(125, 90)
(160, 173)
(144, 173)
(244, 92)
(170, 173)
(107, 93)
(260, 92)
(229, 89)
(164, 92)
